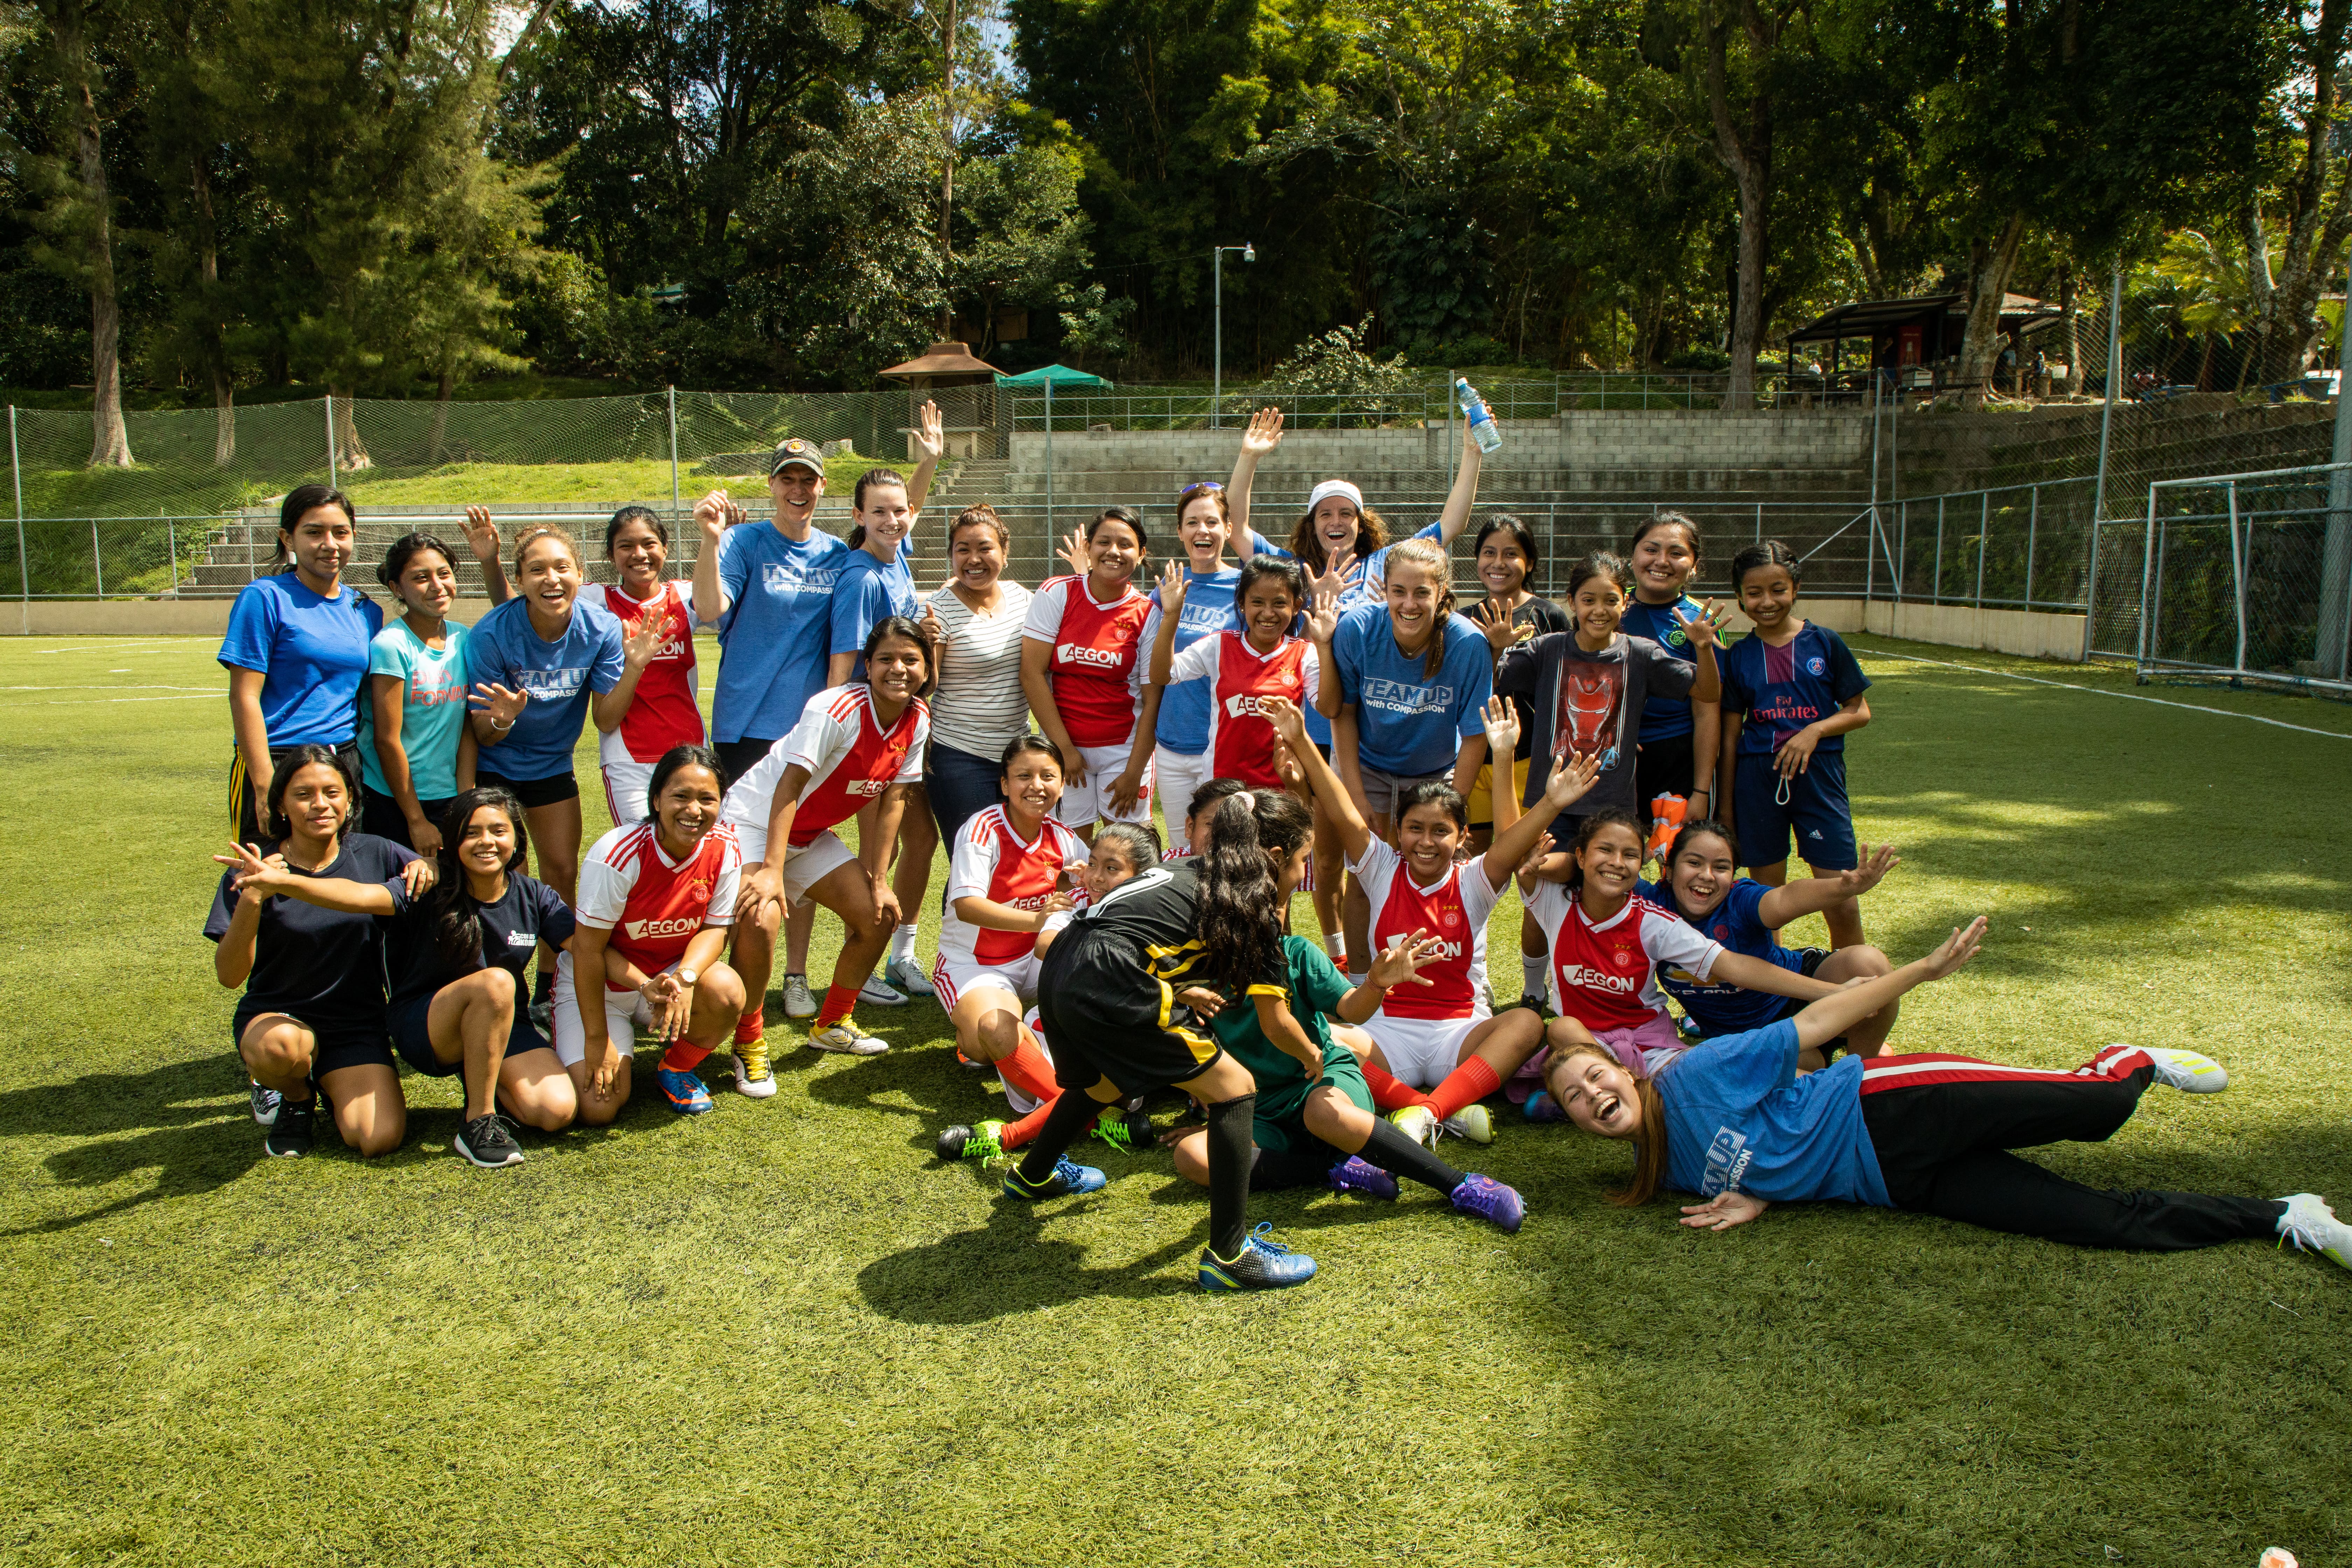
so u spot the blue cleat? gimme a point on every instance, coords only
(1069, 1179)
(1491, 1201)
(684, 1091)
(1542, 1107)
(1262, 1263)
(1357, 1174)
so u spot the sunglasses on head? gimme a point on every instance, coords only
(1200, 486)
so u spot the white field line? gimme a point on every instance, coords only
(2101, 692)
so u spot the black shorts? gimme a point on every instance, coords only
(380, 814)
(336, 1047)
(533, 793)
(248, 827)
(1663, 767)
(411, 1032)
(1106, 1016)
(737, 758)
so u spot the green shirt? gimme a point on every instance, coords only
(1314, 989)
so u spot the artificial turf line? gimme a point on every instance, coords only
(2101, 692)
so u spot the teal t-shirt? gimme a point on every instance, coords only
(1316, 989)
(432, 708)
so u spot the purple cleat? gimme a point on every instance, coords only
(1542, 1107)
(1490, 1200)
(1357, 1174)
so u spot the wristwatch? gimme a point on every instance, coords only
(686, 977)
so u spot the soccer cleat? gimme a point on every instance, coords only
(752, 1075)
(1491, 1201)
(2312, 1226)
(908, 975)
(2187, 1071)
(847, 1039)
(1357, 1174)
(1141, 1134)
(1542, 1107)
(971, 1066)
(799, 1002)
(1689, 1027)
(1069, 1179)
(485, 1142)
(265, 1102)
(1417, 1123)
(881, 992)
(1262, 1263)
(1114, 1127)
(983, 1142)
(290, 1129)
(685, 1092)
(1474, 1122)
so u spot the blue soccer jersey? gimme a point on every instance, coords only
(562, 679)
(775, 635)
(1664, 718)
(1780, 690)
(1721, 1007)
(1739, 1119)
(1410, 721)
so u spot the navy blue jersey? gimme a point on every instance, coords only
(1778, 691)
(1720, 1007)
(1664, 717)
(323, 966)
(528, 913)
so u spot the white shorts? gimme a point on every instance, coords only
(626, 1012)
(625, 784)
(953, 979)
(1421, 1051)
(1174, 778)
(1084, 805)
(803, 867)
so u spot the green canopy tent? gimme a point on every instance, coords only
(1060, 376)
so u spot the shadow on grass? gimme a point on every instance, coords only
(1007, 1266)
(168, 1120)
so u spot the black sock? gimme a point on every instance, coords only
(1399, 1155)
(1230, 1143)
(544, 987)
(1068, 1122)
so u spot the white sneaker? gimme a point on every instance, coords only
(846, 1039)
(799, 1001)
(753, 1076)
(908, 975)
(1417, 1123)
(880, 993)
(1472, 1121)
(2186, 1070)
(2312, 1226)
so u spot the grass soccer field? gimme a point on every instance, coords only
(784, 1333)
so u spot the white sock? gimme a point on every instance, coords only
(902, 942)
(1337, 947)
(1531, 974)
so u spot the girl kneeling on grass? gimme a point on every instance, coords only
(655, 899)
(458, 1008)
(312, 1017)
(1735, 1126)
(1699, 886)
(855, 747)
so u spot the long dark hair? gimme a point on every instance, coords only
(1520, 534)
(1768, 552)
(278, 826)
(298, 500)
(1587, 828)
(629, 514)
(1240, 921)
(899, 626)
(679, 757)
(451, 918)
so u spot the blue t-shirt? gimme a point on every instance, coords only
(866, 592)
(1722, 1008)
(1366, 585)
(1407, 723)
(1209, 609)
(560, 677)
(312, 653)
(1780, 690)
(1739, 1119)
(1664, 718)
(775, 637)
(432, 709)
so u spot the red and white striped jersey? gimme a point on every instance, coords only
(652, 904)
(1606, 974)
(1241, 741)
(1453, 909)
(849, 757)
(1097, 664)
(663, 712)
(992, 861)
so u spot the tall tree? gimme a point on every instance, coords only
(1741, 104)
(2312, 197)
(83, 218)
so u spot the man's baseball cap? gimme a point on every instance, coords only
(794, 452)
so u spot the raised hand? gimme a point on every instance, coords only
(1287, 769)
(1503, 632)
(1404, 960)
(1570, 781)
(1333, 579)
(934, 630)
(1173, 583)
(263, 875)
(1323, 617)
(1076, 554)
(1502, 722)
(1702, 630)
(1289, 723)
(481, 533)
(929, 436)
(1957, 949)
(1536, 857)
(1265, 432)
(503, 704)
(1872, 870)
(715, 513)
(643, 640)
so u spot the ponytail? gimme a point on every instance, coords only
(1242, 903)
(1431, 559)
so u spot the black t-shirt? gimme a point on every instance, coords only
(321, 967)
(531, 912)
(1545, 616)
(1159, 911)
(1589, 704)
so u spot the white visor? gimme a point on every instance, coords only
(1334, 487)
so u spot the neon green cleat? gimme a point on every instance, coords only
(1472, 1121)
(983, 1142)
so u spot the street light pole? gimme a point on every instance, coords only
(1217, 360)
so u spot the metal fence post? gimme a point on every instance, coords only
(2335, 629)
(1936, 588)
(673, 453)
(2032, 522)
(171, 541)
(2147, 575)
(97, 561)
(2238, 576)
(1902, 546)
(1049, 470)
(1984, 529)
(2107, 413)
(1759, 522)
(16, 473)
(2091, 593)
(331, 464)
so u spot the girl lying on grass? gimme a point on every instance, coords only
(1734, 1125)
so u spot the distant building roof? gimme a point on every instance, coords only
(943, 362)
(1868, 318)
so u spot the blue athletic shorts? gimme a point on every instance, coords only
(413, 1038)
(1815, 809)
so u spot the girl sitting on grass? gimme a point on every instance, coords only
(1734, 1125)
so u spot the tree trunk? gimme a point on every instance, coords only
(351, 452)
(2072, 320)
(224, 418)
(947, 176)
(441, 415)
(110, 444)
(215, 356)
(2317, 198)
(1980, 347)
(1748, 154)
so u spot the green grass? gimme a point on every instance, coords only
(784, 1333)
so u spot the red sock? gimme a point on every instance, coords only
(1390, 1093)
(751, 1026)
(1468, 1084)
(1027, 1070)
(685, 1055)
(838, 1001)
(1017, 1134)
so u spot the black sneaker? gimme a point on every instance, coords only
(488, 1143)
(290, 1129)
(264, 1102)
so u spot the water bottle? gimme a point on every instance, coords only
(1483, 429)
